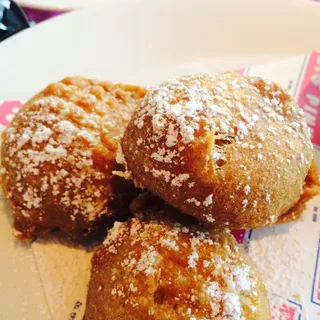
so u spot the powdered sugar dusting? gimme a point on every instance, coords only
(208, 201)
(178, 180)
(142, 265)
(223, 117)
(56, 141)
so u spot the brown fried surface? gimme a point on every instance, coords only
(166, 270)
(58, 154)
(230, 150)
(311, 188)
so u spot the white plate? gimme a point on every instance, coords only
(57, 5)
(132, 41)
(146, 41)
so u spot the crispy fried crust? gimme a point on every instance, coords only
(58, 154)
(311, 188)
(161, 270)
(230, 150)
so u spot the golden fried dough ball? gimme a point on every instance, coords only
(58, 154)
(160, 269)
(230, 150)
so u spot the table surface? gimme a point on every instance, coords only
(37, 16)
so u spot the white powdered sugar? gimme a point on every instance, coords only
(178, 180)
(54, 141)
(208, 201)
(246, 189)
(209, 218)
(227, 118)
(194, 200)
(290, 250)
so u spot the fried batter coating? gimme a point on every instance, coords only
(229, 150)
(161, 269)
(311, 188)
(58, 154)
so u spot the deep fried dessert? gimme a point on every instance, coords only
(229, 150)
(58, 155)
(160, 269)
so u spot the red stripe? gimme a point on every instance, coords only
(308, 96)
